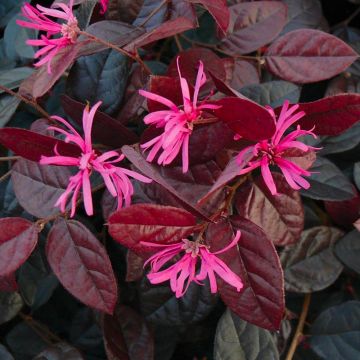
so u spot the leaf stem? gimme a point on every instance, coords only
(135, 57)
(9, 158)
(154, 12)
(30, 102)
(300, 327)
(5, 176)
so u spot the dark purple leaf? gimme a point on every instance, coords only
(10, 305)
(18, 238)
(150, 223)
(8, 283)
(106, 130)
(59, 351)
(347, 249)
(152, 14)
(126, 336)
(305, 56)
(82, 265)
(310, 265)
(254, 24)
(331, 115)
(246, 118)
(244, 73)
(135, 157)
(261, 300)
(281, 217)
(134, 266)
(38, 187)
(31, 145)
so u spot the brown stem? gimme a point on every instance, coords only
(300, 327)
(5, 176)
(30, 102)
(135, 57)
(178, 43)
(154, 12)
(9, 158)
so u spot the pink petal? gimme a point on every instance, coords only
(266, 174)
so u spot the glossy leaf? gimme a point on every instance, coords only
(126, 336)
(18, 239)
(336, 332)
(328, 182)
(38, 187)
(261, 301)
(82, 264)
(347, 250)
(244, 73)
(13, 78)
(105, 129)
(331, 115)
(251, 121)
(253, 25)
(310, 265)
(304, 56)
(150, 223)
(237, 339)
(152, 172)
(157, 9)
(31, 145)
(281, 216)
(59, 351)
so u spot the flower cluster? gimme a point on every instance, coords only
(115, 178)
(183, 272)
(177, 122)
(39, 18)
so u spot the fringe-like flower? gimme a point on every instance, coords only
(183, 272)
(271, 152)
(177, 122)
(115, 178)
(39, 18)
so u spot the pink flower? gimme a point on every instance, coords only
(104, 4)
(115, 178)
(39, 19)
(177, 122)
(183, 272)
(273, 151)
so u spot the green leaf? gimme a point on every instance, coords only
(13, 78)
(10, 305)
(237, 339)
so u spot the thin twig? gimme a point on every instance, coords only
(178, 43)
(30, 102)
(135, 57)
(5, 176)
(9, 158)
(300, 327)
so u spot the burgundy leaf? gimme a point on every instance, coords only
(261, 301)
(127, 337)
(32, 145)
(226, 89)
(346, 212)
(40, 82)
(8, 283)
(306, 55)
(18, 238)
(166, 29)
(331, 115)
(281, 217)
(218, 10)
(189, 63)
(246, 118)
(151, 171)
(82, 265)
(38, 187)
(185, 9)
(134, 266)
(244, 73)
(255, 24)
(106, 130)
(150, 223)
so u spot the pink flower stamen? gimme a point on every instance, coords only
(115, 178)
(272, 151)
(177, 122)
(39, 18)
(183, 271)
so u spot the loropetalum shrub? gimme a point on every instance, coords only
(170, 171)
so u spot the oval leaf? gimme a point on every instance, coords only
(18, 238)
(305, 55)
(38, 187)
(310, 265)
(281, 216)
(246, 118)
(237, 339)
(347, 250)
(10, 305)
(82, 265)
(261, 301)
(151, 223)
(255, 24)
(31, 145)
